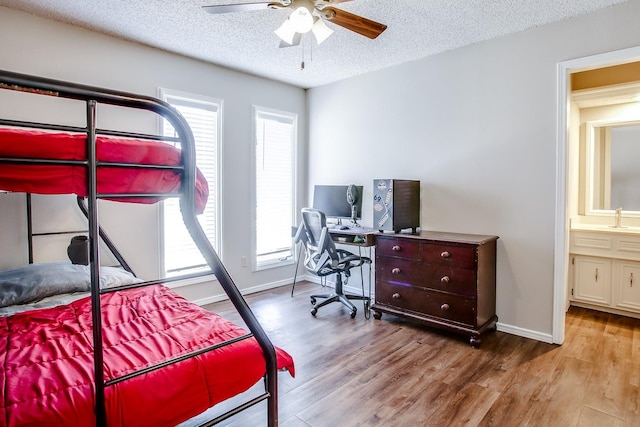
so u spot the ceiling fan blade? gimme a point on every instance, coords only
(244, 7)
(350, 21)
(296, 41)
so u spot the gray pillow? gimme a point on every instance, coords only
(33, 282)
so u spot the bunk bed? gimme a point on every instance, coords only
(102, 347)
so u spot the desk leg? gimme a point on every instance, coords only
(367, 303)
(295, 275)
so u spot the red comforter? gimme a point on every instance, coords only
(46, 362)
(58, 179)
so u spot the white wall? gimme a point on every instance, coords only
(37, 46)
(478, 127)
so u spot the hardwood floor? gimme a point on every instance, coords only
(391, 372)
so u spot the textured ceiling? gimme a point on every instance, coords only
(245, 41)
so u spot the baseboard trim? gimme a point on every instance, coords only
(525, 333)
(347, 288)
(502, 327)
(247, 291)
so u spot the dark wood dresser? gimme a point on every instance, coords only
(446, 280)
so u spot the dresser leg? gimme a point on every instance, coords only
(475, 341)
(377, 315)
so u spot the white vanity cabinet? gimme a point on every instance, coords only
(592, 280)
(627, 277)
(606, 270)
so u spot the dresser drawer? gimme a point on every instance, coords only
(451, 255)
(392, 247)
(446, 280)
(431, 303)
(424, 275)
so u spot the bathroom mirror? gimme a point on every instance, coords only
(613, 166)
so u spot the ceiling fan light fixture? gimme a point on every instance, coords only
(301, 20)
(321, 31)
(286, 32)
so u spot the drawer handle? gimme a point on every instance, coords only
(445, 254)
(395, 271)
(444, 307)
(396, 248)
(445, 280)
(396, 296)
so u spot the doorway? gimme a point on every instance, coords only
(561, 259)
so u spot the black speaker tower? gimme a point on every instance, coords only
(396, 205)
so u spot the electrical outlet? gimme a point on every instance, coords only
(244, 261)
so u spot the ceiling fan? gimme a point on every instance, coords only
(308, 15)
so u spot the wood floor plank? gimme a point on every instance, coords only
(393, 372)
(515, 400)
(591, 418)
(609, 384)
(560, 402)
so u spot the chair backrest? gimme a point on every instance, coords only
(313, 221)
(317, 240)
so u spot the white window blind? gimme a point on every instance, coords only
(274, 161)
(181, 254)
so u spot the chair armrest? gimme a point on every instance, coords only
(300, 236)
(321, 263)
(346, 256)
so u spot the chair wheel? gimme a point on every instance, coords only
(313, 300)
(314, 311)
(353, 313)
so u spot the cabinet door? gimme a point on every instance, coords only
(627, 281)
(592, 280)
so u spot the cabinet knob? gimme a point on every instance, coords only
(445, 280)
(396, 296)
(444, 307)
(395, 271)
(396, 248)
(445, 254)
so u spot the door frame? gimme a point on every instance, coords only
(561, 256)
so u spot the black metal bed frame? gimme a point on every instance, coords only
(92, 96)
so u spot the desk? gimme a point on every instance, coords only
(358, 236)
(361, 237)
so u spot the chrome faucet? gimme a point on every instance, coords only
(618, 218)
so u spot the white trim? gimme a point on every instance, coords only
(256, 110)
(191, 281)
(350, 288)
(246, 291)
(591, 145)
(561, 257)
(502, 327)
(525, 333)
(216, 104)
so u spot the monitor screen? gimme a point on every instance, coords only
(332, 200)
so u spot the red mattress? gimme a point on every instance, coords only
(46, 365)
(58, 179)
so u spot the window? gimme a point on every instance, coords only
(274, 189)
(181, 255)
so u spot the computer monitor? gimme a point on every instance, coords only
(332, 200)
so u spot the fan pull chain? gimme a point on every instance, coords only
(302, 45)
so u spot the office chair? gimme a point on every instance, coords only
(323, 259)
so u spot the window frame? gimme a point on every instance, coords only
(195, 99)
(292, 258)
